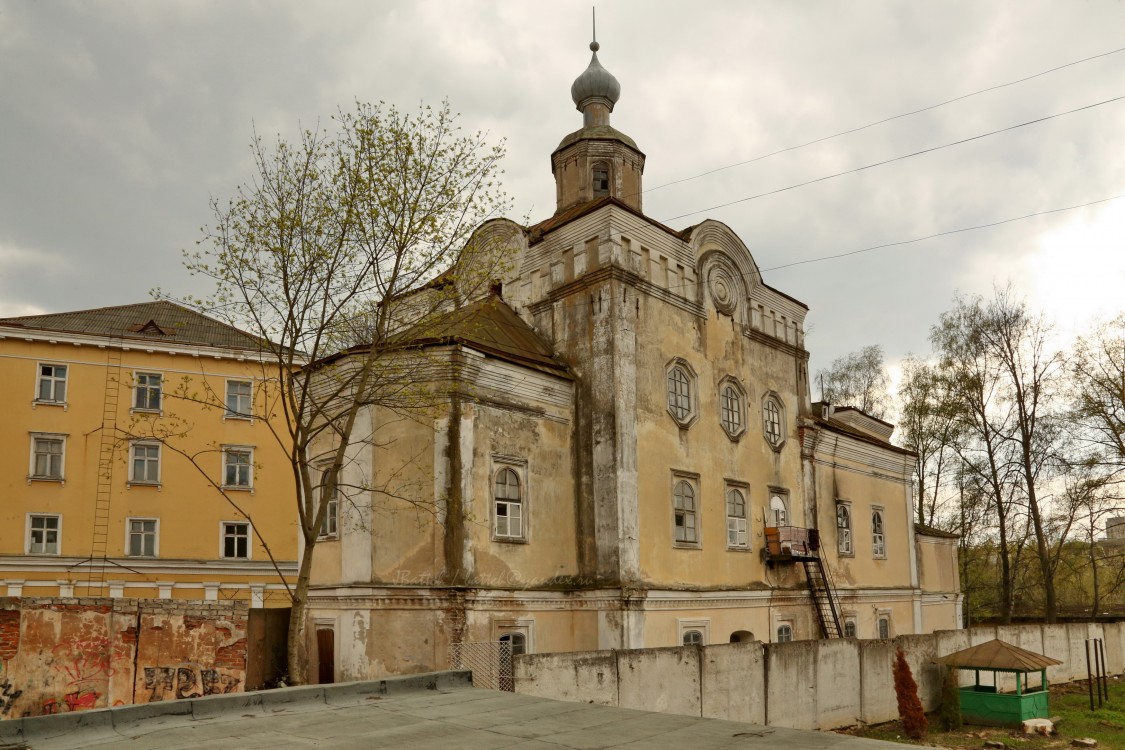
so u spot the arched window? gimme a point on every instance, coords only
(843, 528)
(784, 633)
(517, 642)
(737, 529)
(693, 638)
(878, 541)
(509, 505)
(773, 421)
(884, 628)
(849, 628)
(683, 502)
(779, 509)
(600, 180)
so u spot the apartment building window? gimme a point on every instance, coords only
(844, 528)
(784, 633)
(878, 540)
(240, 399)
(142, 537)
(48, 453)
(43, 533)
(236, 540)
(773, 420)
(238, 468)
(732, 408)
(680, 380)
(779, 508)
(52, 384)
(330, 526)
(147, 391)
(738, 536)
(508, 504)
(144, 463)
(684, 513)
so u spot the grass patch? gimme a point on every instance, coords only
(1071, 701)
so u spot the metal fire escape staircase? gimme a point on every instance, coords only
(107, 446)
(786, 544)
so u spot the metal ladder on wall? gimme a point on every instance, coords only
(823, 596)
(107, 447)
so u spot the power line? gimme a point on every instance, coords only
(896, 158)
(943, 234)
(884, 120)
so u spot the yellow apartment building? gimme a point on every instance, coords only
(137, 461)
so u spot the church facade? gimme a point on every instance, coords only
(628, 456)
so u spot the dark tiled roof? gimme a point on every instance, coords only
(492, 327)
(161, 321)
(921, 528)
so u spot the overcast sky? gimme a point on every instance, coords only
(120, 120)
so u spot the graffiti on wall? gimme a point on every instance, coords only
(187, 681)
(8, 696)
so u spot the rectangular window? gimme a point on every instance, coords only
(142, 537)
(884, 627)
(47, 452)
(236, 540)
(239, 399)
(52, 384)
(146, 392)
(238, 465)
(144, 463)
(43, 535)
(330, 526)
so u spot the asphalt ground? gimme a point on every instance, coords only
(435, 712)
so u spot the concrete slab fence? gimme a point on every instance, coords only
(823, 684)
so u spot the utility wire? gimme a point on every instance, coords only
(885, 120)
(943, 234)
(896, 158)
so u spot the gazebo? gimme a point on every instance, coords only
(985, 704)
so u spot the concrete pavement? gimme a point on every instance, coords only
(440, 712)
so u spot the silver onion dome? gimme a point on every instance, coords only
(595, 83)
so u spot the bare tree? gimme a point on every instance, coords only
(325, 249)
(1098, 375)
(859, 380)
(928, 418)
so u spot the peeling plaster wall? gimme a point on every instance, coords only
(64, 655)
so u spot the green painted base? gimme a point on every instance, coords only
(990, 708)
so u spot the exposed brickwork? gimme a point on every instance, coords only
(9, 633)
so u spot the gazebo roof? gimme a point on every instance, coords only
(998, 655)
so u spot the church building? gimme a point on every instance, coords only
(626, 456)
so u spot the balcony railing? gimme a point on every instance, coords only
(792, 543)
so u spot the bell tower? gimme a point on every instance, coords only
(596, 161)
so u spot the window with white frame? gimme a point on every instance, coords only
(147, 391)
(784, 632)
(48, 454)
(773, 420)
(142, 537)
(878, 540)
(508, 515)
(516, 634)
(43, 532)
(236, 540)
(692, 637)
(238, 467)
(732, 408)
(694, 632)
(330, 526)
(51, 386)
(778, 514)
(681, 392)
(240, 401)
(685, 515)
(144, 463)
(738, 530)
(844, 528)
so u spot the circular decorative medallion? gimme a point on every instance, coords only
(722, 288)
